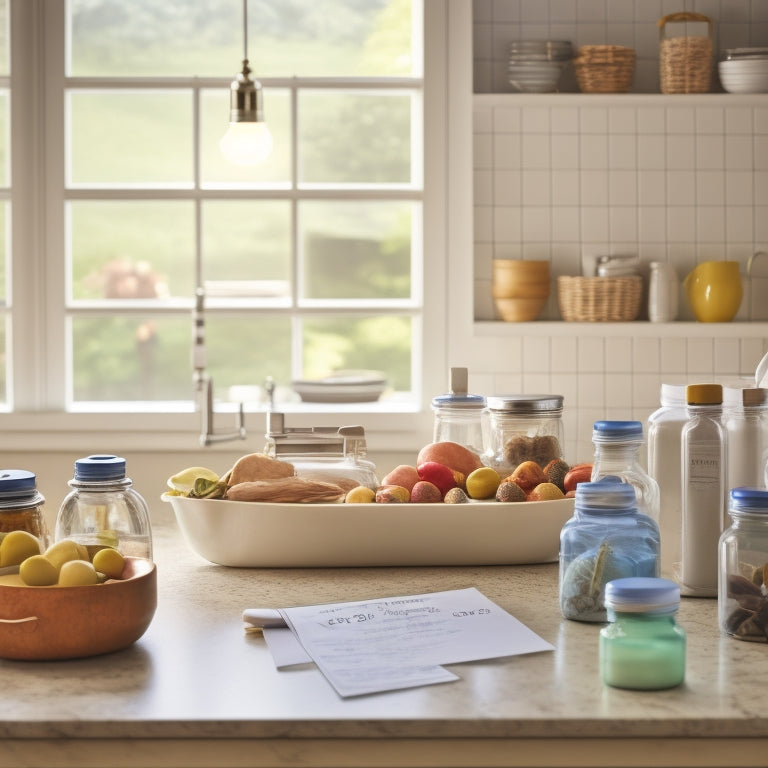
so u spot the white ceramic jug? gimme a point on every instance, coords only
(663, 293)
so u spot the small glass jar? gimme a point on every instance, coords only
(524, 428)
(103, 509)
(643, 647)
(607, 538)
(460, 417)
(743, 567)
(617, 448)
(21, 505)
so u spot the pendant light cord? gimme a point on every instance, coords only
(245, 30)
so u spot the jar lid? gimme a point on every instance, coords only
(704, 394)
(468, 402)
(642, 594)
(18, 485)
(672, 394)
(609, 495)
(106, 467)
(526, 403)
(744, 499)
(616, 431)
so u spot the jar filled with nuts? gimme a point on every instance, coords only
(21, 505)
(524, 428)
(743, 567)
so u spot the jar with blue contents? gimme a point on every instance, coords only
(607, 538)
(643, 647)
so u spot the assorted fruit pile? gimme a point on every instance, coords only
(65, 563)
(443, 472)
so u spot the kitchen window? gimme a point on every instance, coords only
(310, 262)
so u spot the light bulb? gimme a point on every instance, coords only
(246, 143)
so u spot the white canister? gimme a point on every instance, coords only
(663, 293)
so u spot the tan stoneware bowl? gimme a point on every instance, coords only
(41, 623)
(515, 279)
(519, 310)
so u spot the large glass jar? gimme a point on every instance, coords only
(642, 647)
(746, 421)
(524, 428)
(743, 567)
(460, 417)
(607, 538)
(21, 505)
(103, 509)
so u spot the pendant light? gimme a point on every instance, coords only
(247, 140)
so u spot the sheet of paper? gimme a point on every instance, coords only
(377, 645)
(285, 648)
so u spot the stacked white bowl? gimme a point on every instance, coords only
(744, 70)
(535, 66)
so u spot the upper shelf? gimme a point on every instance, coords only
(636, 328)
(622, 99)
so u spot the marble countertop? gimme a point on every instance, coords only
(197, 674)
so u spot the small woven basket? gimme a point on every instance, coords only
(685, 61)
(604, 68)
(599, 299)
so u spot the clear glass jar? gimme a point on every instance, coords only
(746, 422)
(643, 647)
(103, 509)
(607, 538)
(21, 505)
(743, 567)
(704, 492)
(665, 429)
(524, 428)
(617, 453)
(460, 417)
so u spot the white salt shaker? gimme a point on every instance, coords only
(663, 291)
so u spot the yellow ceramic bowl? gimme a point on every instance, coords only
(714, 291)
(519, 310)
(39, 623)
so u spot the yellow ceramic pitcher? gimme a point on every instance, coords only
(714, 291)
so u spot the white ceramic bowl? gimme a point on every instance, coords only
(256, 535)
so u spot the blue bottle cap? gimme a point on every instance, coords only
(609, 495)
(642, 594)
(744, 499)
(469, 402)
(100, 468)
(17, 482)
(616, 431)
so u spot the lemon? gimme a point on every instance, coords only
(109, 562)
(38, 571)
(184, 481)
(360, 495)
(482, 483)
(16, 547)
(77, 573)
(65, 550)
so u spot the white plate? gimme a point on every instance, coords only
(259, 535)
(341, 387)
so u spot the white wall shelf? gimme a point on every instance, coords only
(621, 99)
(639, 328)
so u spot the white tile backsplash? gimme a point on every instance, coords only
(673, 181)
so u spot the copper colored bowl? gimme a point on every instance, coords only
(71, 622)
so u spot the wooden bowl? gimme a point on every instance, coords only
(514, 279)
(38, 623)
(516, 310)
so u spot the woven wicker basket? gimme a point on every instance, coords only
(599, 299)
(604, 68)
(685, 61)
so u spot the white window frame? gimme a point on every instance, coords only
(39, 418)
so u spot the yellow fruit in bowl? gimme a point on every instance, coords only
(77, 573)
(38, 571)
(65, 550)
(545, 492)
(16, 547)
(109, 562)
(483, 483)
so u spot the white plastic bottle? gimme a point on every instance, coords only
(704, 499)
(665, 429)
(663, 290)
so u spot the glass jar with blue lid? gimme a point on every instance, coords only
(642, 647)
(21, 505)
(104, 510)
(743, 567)
(607, 538)
(459, 416)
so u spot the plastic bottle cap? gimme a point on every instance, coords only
(642, 594)
(616, 431)
(105, 467)
(704, 394)
(744, 499)
(605, 496)
(672, 394)
(16, 482)
(526, 403)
